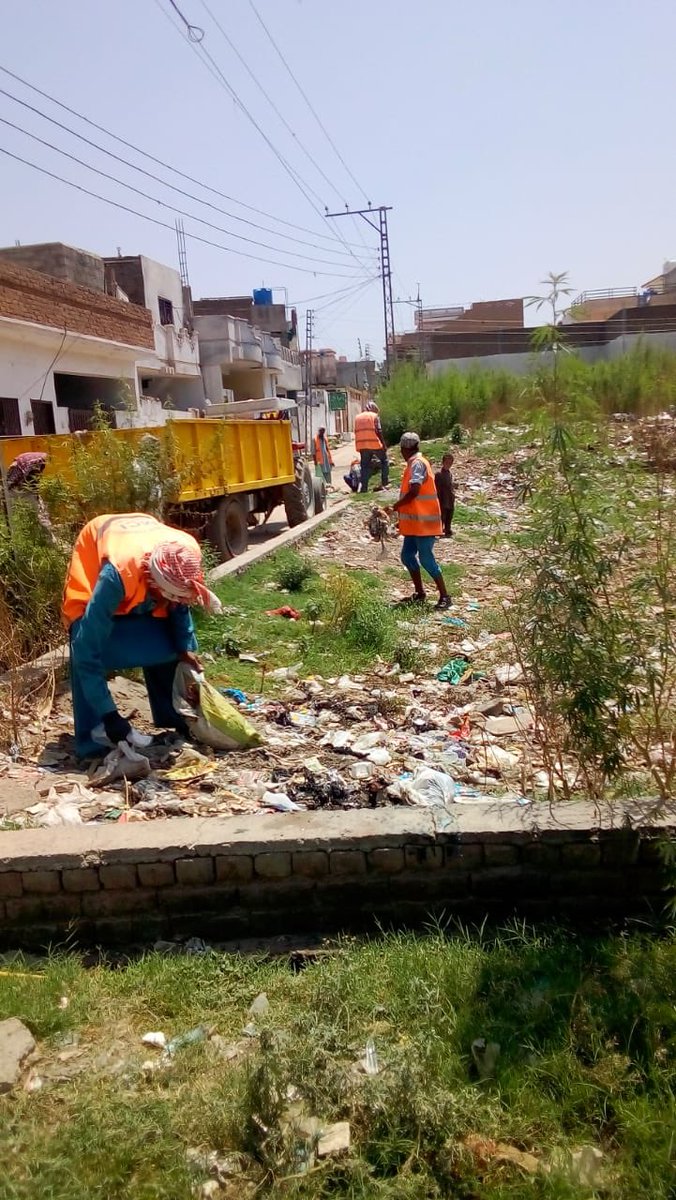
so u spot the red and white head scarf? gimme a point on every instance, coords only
(176, 571)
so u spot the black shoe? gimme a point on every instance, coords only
(443, 603)
(408, 600)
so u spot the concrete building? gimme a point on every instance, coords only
(172, 373)
(247, 350)
(72, 336)
(593, 341)
(63, 348)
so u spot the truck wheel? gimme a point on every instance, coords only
(299, 497)
(229, 531)
(319, 486)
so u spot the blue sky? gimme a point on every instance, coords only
(511, 137)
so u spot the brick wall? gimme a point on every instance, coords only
(30, 296)
(62, 262)
(238, 877)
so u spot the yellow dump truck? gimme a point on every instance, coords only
(226, 469)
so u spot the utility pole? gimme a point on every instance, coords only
(309, 334)
(421, 336)
(385, 271)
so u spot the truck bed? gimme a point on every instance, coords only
(214, 458)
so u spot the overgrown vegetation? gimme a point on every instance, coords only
(641, 382)
(347, 625)
(108, 473)
(293, 571)
(586, 1031)
(593, 621)
(104, 473)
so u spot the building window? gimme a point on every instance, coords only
(10, 421)
(166, 311)
(43, 417)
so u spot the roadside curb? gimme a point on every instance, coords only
(288, 538)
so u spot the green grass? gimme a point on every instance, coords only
(639, 382)
(340, 642)
(587, 1035)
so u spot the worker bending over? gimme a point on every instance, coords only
(126, 603)
(419, 520)
(368, 439)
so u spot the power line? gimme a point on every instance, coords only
(284, 121)
(205, 56)
(195, 237)
(316, 116)
(269, 99)
(165, 182)
(173, 208)
(167, 166)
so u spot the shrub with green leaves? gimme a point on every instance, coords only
(293, 571)
(32, 570)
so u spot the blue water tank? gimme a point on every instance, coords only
(262, 295)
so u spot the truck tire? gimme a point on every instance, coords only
(229, 529)
(299, 497)
(319, 486)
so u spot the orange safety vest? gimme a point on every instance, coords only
(421, 517)
(125, 540)
(319, 452)
(365, 435)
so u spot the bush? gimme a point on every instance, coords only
(293, 572)
(640, 382)
(32, 570)
(109, 473)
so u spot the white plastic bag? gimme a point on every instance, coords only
(429, 789)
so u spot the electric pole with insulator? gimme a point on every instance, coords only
(385, 271)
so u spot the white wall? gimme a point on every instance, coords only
(30, 354)
(522, 364)
(178, 348)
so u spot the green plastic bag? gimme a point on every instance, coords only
(453, 671)
(212, 719)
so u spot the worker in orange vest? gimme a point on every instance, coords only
(368, 438)
(323, 457)
(419, 521)
(126, 601)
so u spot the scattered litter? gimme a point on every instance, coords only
(235, 694)
(454, 671)
(486, 1150)
(280, 802)
(334, 1139)
(285, 672)
(286, 610)
(158, 1039)
(428, 788)
(485, 1055)
(121, 763)
(199, 1034)
(369, 1063)
(583, 1166)
(509, 673)
(16, 1043)
(259, 1006)
(211, 718)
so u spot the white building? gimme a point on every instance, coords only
(67, 345)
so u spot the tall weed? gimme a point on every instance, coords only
(641, 382)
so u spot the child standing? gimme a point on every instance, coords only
(443, 481)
